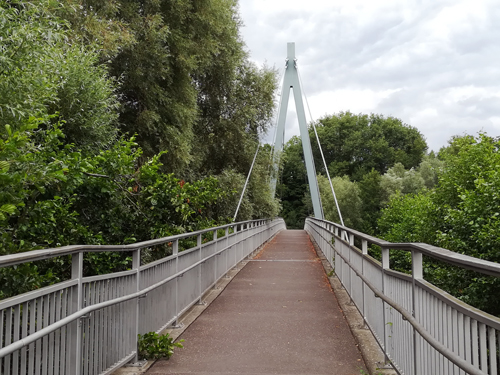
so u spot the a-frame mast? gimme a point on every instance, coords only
(291, 81)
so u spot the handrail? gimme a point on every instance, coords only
(87, 310)
(449, 328)
(466, 261)
(34, 255)
(80, 312)
(418, 327)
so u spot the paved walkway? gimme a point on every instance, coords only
(277, 316)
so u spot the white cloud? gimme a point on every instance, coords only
(432, 63)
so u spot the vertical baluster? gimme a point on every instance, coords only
(200, 275)
(31, 349)
(85, 331)
(436, 333)
(416, 275)
(498, 343)
(483, 355)
(461, 338)
(1, 332)
(492, 350)
(39, 322)
(119, 329)
(16, 327)
(442, 324)
(24, 333)
(8, 338)
(136, 265)
(76, 332)
(64, 331)
(45, 339)
(107, 326)
(449, 331)
(51, 319)
(91, 325)
(175, 251)
(97, 328)
(364, 250)
(102, 327)
(214, 259)
(57, 343)
(385, 265)
(475, 343)
(467, 339)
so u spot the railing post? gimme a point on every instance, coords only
(364, 251)
(227, 252)
(227, 245)
(416, 274)
(136, 264)
(175, 251)
(385, 266)
(76, 326)
(351, 243)
(198, 245)
(215, 259)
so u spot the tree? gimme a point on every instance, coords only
(348, 196)
(354, 144)
(399, 180)
(42, 75)
(460, 214)
(372, 195)
(293, 187)
(187, 85)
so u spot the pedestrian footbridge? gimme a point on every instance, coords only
(278, 315)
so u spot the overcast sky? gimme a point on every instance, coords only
(435, 64)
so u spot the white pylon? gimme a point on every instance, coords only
(291, 81)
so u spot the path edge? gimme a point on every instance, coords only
(371, 352)
(190, 316)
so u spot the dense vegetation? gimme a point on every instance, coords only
(124, 120)
(461, 213)
(121, 121)
(358, 150)
(387, 186)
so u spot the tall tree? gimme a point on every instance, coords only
(354, 144)
(293, 189)
(186, 83)
(69, 83)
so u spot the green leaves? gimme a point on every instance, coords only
(460, 214)
(6, 209)
(154, 346)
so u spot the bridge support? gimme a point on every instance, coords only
(291, 81)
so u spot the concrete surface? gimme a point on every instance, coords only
(278, 315)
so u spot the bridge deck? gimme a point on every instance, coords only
(277, 316)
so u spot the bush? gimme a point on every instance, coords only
(154, 346)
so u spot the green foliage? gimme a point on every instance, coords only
(187, 85)
(43, 75)
(175, 73)
(354, 144)
(154, 346)
(293, 187)
(460, 214)
(348, 196)
(372, 196)
(362, 148)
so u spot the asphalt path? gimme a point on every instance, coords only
(278, 315)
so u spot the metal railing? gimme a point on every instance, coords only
(420, 328)
(89, 325)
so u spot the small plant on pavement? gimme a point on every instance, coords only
(154, 346)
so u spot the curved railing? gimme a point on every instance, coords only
(420, 328)
(89, 325)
